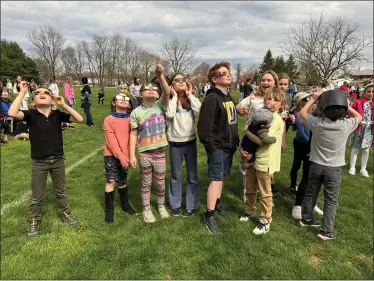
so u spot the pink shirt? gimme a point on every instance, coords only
(69, 91)
(117, 138)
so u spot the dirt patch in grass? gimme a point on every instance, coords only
(315, 260)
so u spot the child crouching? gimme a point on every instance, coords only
(116, 155)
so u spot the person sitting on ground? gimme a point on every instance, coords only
(261, 122)
(22, 131)
(5, 104)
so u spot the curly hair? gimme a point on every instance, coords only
(214, 70)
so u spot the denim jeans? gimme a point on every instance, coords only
(189, 152)
(86, 108)
(330, 177)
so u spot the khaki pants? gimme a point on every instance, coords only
(260, 181)
(40, 170)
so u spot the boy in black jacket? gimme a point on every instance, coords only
(218, 132)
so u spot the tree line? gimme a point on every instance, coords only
(316, 49)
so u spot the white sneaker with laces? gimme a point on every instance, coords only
(352, 171)
(148, 216)
(296, 212)
(163, 212)
(364, 173)
(262, 227)
(318, 210)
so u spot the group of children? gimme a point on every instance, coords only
(166, 118)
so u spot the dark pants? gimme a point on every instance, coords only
(300, 155)
(6, 127)
(331, 178)
(86, 108)
(100, 98)
(300, 194)
(137, 102)
(40, 170)
(189, 152)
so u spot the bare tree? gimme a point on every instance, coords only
(134, 55)
(49, 43)
(73, 60)
(200, 73)
(329, 44)
(178, 55)
(238, 70)
(147, 62)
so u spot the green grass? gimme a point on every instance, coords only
(176, 248)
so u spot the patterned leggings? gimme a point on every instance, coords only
(152, 165)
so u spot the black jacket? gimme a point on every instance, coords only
(218, 122)
(247, 90)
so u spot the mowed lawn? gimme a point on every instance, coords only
(175, 248)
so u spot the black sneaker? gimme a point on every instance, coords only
(175, 212)
(69, 219)
(312, 222)
(33, 228)
(188, 213)
(221, 210)
(211, 224)
(245, 217)
(275, 191)
(324, 235)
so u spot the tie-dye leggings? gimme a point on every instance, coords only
(152, 166)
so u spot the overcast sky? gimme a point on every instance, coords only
(234, 31)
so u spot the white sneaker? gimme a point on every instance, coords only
(296, 212)
(261, 228)
(318, 210)
(352, 171)
(148, 216)
(364, 173)
(163, 212)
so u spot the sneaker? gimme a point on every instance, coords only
(245, 217)
(67, 218)
(33, 228)
(275, 191)
(296, 212)
(364, 173)
(175, 212)
(148, 216)
(318, 210)
(261, 228)
(323, 235)
(311, 222)
(293, 190)
(188, 213)
(163, 212)
(221, 210)
(211, 224)
(352, 171)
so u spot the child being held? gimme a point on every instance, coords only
(261, 122)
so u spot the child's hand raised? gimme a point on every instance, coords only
(189, 89)
(24, 86)
(316, 95)
(159, 68)
(59, 100)
(172, 91)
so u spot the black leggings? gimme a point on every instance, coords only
(301, 155)
(6, 127)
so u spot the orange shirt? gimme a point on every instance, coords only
(117, 138)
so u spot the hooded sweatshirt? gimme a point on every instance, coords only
(217, 127)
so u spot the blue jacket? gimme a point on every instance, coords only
(5, 105)
(303, 133)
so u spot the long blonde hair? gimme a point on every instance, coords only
(70, 81)
(258, 92)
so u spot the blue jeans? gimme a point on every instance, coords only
(219, 164)
(189, 152)
(86, 107)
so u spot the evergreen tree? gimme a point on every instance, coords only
(280, 65)
(291, 68)
(14, 62)
(268, 62)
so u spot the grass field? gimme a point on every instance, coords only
(175, 248)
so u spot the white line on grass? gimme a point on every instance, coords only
(25, 196)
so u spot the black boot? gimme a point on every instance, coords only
(109, 207)
(125, 205)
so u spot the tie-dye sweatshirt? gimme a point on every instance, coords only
(151, 126)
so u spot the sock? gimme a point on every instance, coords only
(209, 213)
(218, 201)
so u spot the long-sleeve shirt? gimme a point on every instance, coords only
(69, 92)
(303, 132)
(117, 136)
(181, 126)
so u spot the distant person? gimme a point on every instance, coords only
(9, 86)
(291, 90)
(24, 105)
(69, 91)
(86, 101)
(344, 87)
(134, 91)
(33, 85)
(100, 96)
(55, 91)
(247, 89)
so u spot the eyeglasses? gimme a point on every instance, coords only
(221, 74)
(122, 97)
(179, 80)
(44, 92)
(149, 88)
